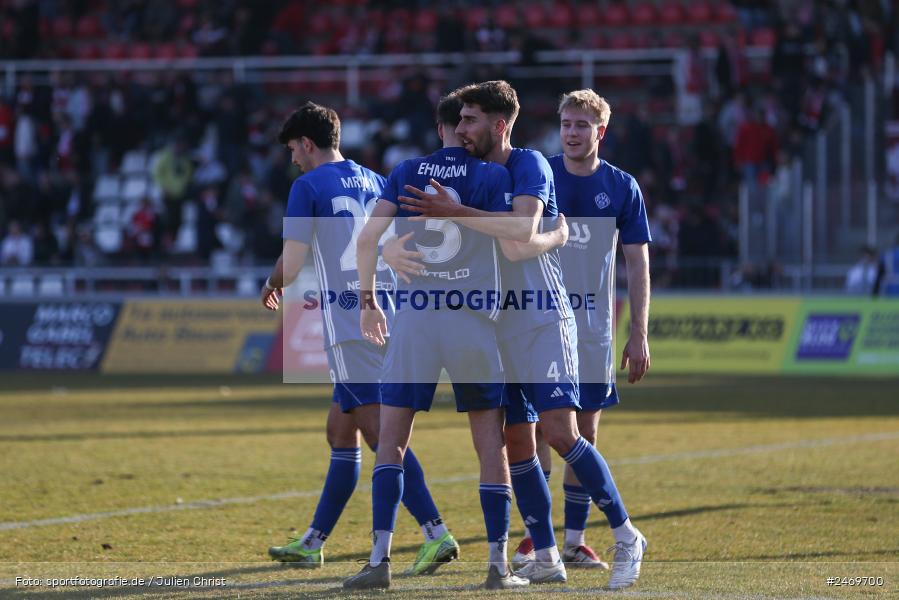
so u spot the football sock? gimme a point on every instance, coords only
(496, 502)
(416, 496)
(534, 502)
(433, 530)
(592, 471)
(574, 538)
(548, 555)
(386, 491)
(380, 546)
(343, 473)
(497, 556)
(626, 532)
(313, 539)
(546, 475)
(577, 510)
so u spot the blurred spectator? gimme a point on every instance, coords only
(26, 145)
(6, 132)
(172, 173)
(208, 216)
(46, 247)
(85, 252)
(17, 248)
(143, 230)
(862, 276)
(755, 149)
(61, 131)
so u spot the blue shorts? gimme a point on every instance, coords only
(596, 373)
(355, 369)
(543, 363)
(423, 343)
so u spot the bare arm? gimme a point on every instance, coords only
(539, 244)
(286, 270)
(372, 319)
(636, 351)
(520, 224)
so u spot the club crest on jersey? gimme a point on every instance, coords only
(602, 200)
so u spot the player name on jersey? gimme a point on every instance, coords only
(442, 171)
(359, 182)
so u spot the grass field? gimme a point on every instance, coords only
(745, 488)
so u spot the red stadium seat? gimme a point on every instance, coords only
(645, 39)
(168, 50)
(63, 27)
(672, 13)
(188, 50)
(725, 13)
(675, 39)
(87, 52)
(506, 16)
(589, 15)
(643, 14)
(699, 11)
(89, 27)
(561, 16)
(620, 40)
(615, 15)
(475, 17)
(708, 39)
(425, 20)
(764, 37)
(114, 50)
(534, 17)
(140, 51)
(318, 24)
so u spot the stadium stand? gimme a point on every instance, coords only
(79, 150)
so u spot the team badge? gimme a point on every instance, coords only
(602, 200)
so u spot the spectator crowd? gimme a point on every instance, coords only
(211, 138)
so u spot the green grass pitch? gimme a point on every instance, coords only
(746, 487)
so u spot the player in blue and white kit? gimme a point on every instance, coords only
(326, 207)
(538, 343)
(427, 337)
(602, 203)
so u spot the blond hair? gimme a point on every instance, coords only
(589, 101)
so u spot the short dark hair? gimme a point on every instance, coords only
(318, 123)
(448, 109)
(493, 97)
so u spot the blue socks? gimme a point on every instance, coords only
(534, 501)
(593, 473)
(496, 502)
(386, 492)
(339, 485)
(577, 507)
(416, 496)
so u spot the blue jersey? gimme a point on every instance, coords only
(599, 208)
(532, 176)
(457, 258)
(326, 209)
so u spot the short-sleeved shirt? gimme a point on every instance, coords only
(457, 257)
(599, 208)
(326, 209)
(532, 176)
